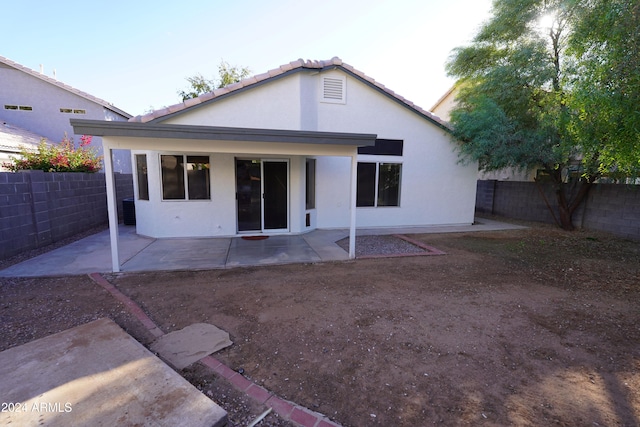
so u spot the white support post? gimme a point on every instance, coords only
(354, 188)
(112, 209)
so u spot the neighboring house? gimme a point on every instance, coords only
(442, 108)
(43, 105)
(446, 103)
(309, 145)
(12, 140)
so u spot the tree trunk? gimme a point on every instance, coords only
(566, 220)
(566, 208)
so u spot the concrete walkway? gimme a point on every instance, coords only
(139, 253)
(97, 375)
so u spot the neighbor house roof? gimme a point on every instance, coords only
(284, 70)
(13, 138)
(61, 85)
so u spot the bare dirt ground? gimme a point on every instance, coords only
(530, 327)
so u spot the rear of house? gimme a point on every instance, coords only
(312, 144)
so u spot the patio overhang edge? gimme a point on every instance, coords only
(216, 133)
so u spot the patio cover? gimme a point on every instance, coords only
(158, 137)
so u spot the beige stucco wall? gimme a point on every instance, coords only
(444, 106)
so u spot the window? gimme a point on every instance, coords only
(73, 111)
(310, 184)
(18, 107)
(198, 177)
(389, 184)
(180, 169)
(384, 147)
(143, 179)
(378, 184)
(366, 191)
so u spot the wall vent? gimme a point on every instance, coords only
(334, 90)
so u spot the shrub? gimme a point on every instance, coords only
(62, 157)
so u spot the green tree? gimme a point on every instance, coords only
(520, 105)
(227, 75)
(607, 90)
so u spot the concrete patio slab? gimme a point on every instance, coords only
(96, 374)
(188, 345)
(176, 254)
(140, 253)
(84, 256)
(274, 250)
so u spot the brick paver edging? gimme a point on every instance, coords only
(288, 410)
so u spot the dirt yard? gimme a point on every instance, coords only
(531, 327)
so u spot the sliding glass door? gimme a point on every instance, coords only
(262, 193)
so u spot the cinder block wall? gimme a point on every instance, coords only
(39, 208)
(485, 196)
(613, 208)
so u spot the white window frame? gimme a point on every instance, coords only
(185, 178)
(378, 162)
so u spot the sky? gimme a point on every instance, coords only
(137, 54)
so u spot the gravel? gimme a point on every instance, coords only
(241, 410)
(380, 245)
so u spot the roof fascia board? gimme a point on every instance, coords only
(155, 130)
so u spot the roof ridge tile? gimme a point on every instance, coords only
(235, 86)
(249, 80)
(275, 72)
(261, 77)
(193, 101)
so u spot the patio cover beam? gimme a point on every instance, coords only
(216, 133)
(112, 209)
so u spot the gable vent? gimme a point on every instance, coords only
(333, 90)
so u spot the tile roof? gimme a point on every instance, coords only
(13, 138)
(61, 85)
(291, 67)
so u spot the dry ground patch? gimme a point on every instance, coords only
(529, 327)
